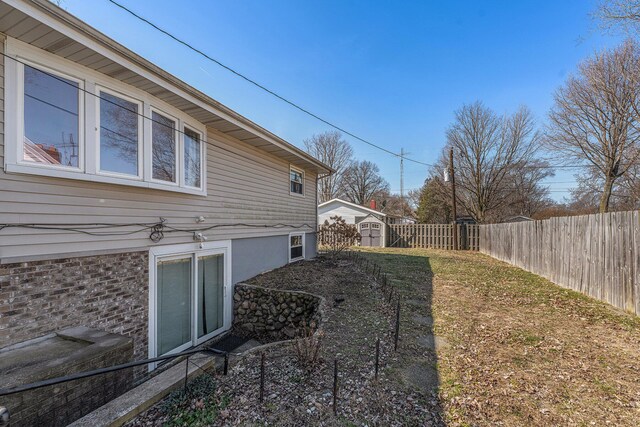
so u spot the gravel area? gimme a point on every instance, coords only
(356, 315)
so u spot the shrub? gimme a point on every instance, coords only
(337, 235)
(197, 407)
(307, 348)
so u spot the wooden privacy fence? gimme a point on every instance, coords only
(436, 236)
(597, 255)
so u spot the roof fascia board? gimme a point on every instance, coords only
(373, 211)
(72, 27)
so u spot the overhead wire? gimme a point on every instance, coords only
(151, 119)
(286, 100)
(261, 86)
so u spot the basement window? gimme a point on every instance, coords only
(296, 246)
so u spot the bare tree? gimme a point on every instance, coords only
(413, 197)
(361, 181)
(332, 150)
(595, 116)
(625, 193)
(487, 149)
(526, 195)
(619, 14)
(393, 204)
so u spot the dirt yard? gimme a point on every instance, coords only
(481, 343)
(516, 349)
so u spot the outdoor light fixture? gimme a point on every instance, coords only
(199, 237)
(200, 219)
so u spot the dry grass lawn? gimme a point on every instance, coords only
(513, 348)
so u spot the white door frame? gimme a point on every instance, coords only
(185, 250)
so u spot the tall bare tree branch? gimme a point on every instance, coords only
(595, 117)
(331, 149)
(362, 181)
(487, 148)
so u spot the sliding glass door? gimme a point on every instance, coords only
(173, 284)
(210, 297)
(188, 292)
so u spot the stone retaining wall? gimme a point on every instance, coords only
(274, 314)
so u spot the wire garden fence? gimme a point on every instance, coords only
(275, 381)
(271, 374)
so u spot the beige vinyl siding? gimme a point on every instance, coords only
(244, 185)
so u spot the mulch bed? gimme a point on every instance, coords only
(357, 315)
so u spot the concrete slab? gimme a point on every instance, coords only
(423, 320)
(433, 342)
(423, 376)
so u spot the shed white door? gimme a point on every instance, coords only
(371, 234)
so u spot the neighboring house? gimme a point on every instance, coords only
(131, 202)
(371, 223)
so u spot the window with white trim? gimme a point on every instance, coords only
(52, 132)
(164, 156)
(296, 246)
(120, 134)
(68, 121)
(192, 158)
(296, 178)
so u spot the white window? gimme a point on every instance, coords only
(192, 158)
(52, 119)
(119, 134)
(164, 140)
(296, 178)
(296, 246)
(65, 120)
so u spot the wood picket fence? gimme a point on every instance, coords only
(434, 236)
(597, 255)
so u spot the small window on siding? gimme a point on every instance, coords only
(119, 135)
(192, 158)
(163, 143)
(296, 177)
(296, 247)
(51, 119)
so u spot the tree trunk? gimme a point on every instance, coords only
(606, 195)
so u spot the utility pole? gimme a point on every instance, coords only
(402, 154)
(402, 173)
(453, 200)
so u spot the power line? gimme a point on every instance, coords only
(60, 79)
(291, 103)
(260, 86)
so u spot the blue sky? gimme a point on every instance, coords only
(390, 72)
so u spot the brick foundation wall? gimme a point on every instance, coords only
(105, 292)
(52, 356)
